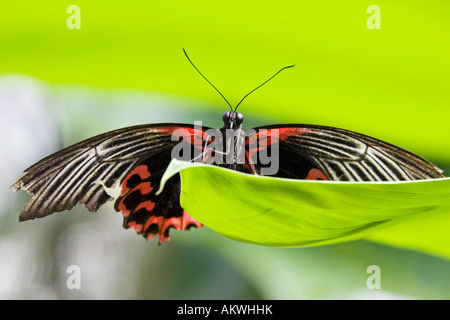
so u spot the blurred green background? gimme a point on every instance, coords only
(125, 66)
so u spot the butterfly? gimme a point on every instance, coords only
(126, 165)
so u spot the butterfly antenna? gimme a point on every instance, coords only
(185, 53)
(262, 85)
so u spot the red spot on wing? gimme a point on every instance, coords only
(316, 174)
(147, 205)
(144, 188)
(268, 137)
(135, 226)
(258, 142)
(285, 133)
(263, 138)
(188, 221)
(123, 209)
(179, 223)
(153, 220)
(141, 171)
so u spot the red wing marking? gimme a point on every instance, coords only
(123, 209)
(144, 188)
(194, 136)
(147, 213)
(285, 133)
(158, 221)
(273, 135)
(259, 141)
(135, 226)
(263, 138)
(141, 171)
(163, 225)
(316, 174)
(187, 221)
(293, 165)
(147, 205)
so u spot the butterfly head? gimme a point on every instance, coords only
(232, 119)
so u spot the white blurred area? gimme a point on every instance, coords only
(38, 118)
(29, 133)
(28, 128)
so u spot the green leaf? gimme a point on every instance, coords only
(293, 213)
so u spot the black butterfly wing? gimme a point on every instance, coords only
(327, 153)
(99, 169)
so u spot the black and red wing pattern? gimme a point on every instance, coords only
(115, 165)
(292, 163)
(127, 165)
(325, 153)
(147, 213)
